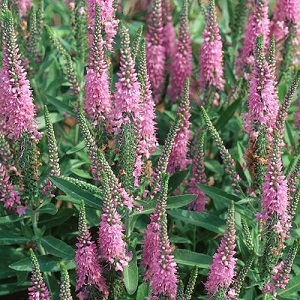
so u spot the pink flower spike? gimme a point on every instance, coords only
(178, 157)
(17, 112)
(221, 271)
(97, 101)
(24, 7)
(169, 36)
(127, 92)
(211, 54)
(88, 270)
(156, 56)
(258, 24)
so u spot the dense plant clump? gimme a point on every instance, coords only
(149, 149)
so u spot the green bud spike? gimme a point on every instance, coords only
(191, 284)
(136, 42)
(283, 110)
(83, 185)
(125, 41)
(82, 225)
(6, 156)
(293, 204)
(180, 291)
(40, 16)
(259, 49)
(239, 21)
(240, 278)
(230, 222)
(127, 156)
(70, 72)
(65, 286)
(248, 239)
(227, 159)
(33, 37)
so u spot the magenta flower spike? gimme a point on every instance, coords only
(88, 270)
(38, 289)
(169, 36)
(157, 260)
(178, 158)
(111, 241)
(127, 92)
(258, 24)
(181, 67)
(274, 202)
(24, 7)
(221, 271)
(155, 50)
(17, 112)
(263, 101)
(211, 54)
(198, 175)
(108, 19)
(97, 100)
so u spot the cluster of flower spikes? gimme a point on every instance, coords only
(181, 67)
(126, 102)
(111, 237)
(97, 100)
(38, 289)
(17, 112)
(198, 174)
(263, 101)
(178, 156)
(108, 19)
(221, 271)
(281, 272)
(169, 36)
(258, 24)
(155, 50)
(88, 271)
(211, 54)
(157, 260)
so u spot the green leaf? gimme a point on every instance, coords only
(190, 258)
(60, 105)
(57, 247)
(292, 287)
(131, 276)
(49, 209)
(61, 217)
(142, 292)
(47, 263)
(227, 114)
(172, 203)
(54, 117)
(10, 288)
(176, 180)
(81, 173)
(78, 193)
(11, 238)
(203, 219)
(76, 148)
(9, 219)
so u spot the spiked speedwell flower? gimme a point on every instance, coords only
(24, 7)
(155, 50)
(169, 37)
(17, 111)
(222, 271)
(38, 289)
(97, 102)
(181, 67)
(211, 54)
(88, 270)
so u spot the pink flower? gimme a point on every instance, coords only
(211, 54)
(24, 7)
(108, 19)
(111, 239)
(178, 157)
(263, 101)
(17, 113)
(38, 289)
(155, 50)
(127, 92)
(297, 114)
(221, 271)
(181, 67)
(258, 24)
(169, 36)
(97, 101)
(88, 270)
